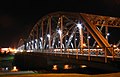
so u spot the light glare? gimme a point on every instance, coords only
(59, 31)
(79, 25)
(48, 35)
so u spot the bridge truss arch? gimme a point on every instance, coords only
(62, 31)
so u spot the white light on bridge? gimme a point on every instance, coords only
(21, 50)
(76, 39)
(36, 40)
(79, 25)
(27, 44)
(84, 45)
(63, 45)
(47, 45)
(48, 35)
(41, 38)
(32, 41)
(72, 45)
(108, 34)
(35, 46)
(32, 47)
(59, 31)
(89, 37)
(40, 45)
(98, 46)
(114, 46)
(56, 46)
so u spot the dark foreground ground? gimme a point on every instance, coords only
(30, 74)
(35, 60)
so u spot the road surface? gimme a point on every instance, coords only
(32, 74)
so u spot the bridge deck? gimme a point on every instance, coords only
(98, 55)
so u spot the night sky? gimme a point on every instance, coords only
(17, 17)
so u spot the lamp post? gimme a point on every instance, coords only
(81, 35)
(60, 33)
(88, 42)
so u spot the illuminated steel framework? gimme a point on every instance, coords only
(78, 33)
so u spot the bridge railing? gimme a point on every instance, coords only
(85, 51)
(97, 52)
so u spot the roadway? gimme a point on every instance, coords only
(29, 74)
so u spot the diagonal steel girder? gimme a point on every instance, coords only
(102, 42)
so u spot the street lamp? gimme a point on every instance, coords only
(108, 34)
(79, 25)
(48, 35)
(60, 32)
(97, 46)
(41, 38)
(89, 37)
(84, 45)
(114, 46)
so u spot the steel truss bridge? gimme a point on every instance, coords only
(65, 33)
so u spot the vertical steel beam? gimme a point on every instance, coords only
(81, 39)
(105, 55)
(75, 40)
(88, 43)
(49, 22)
